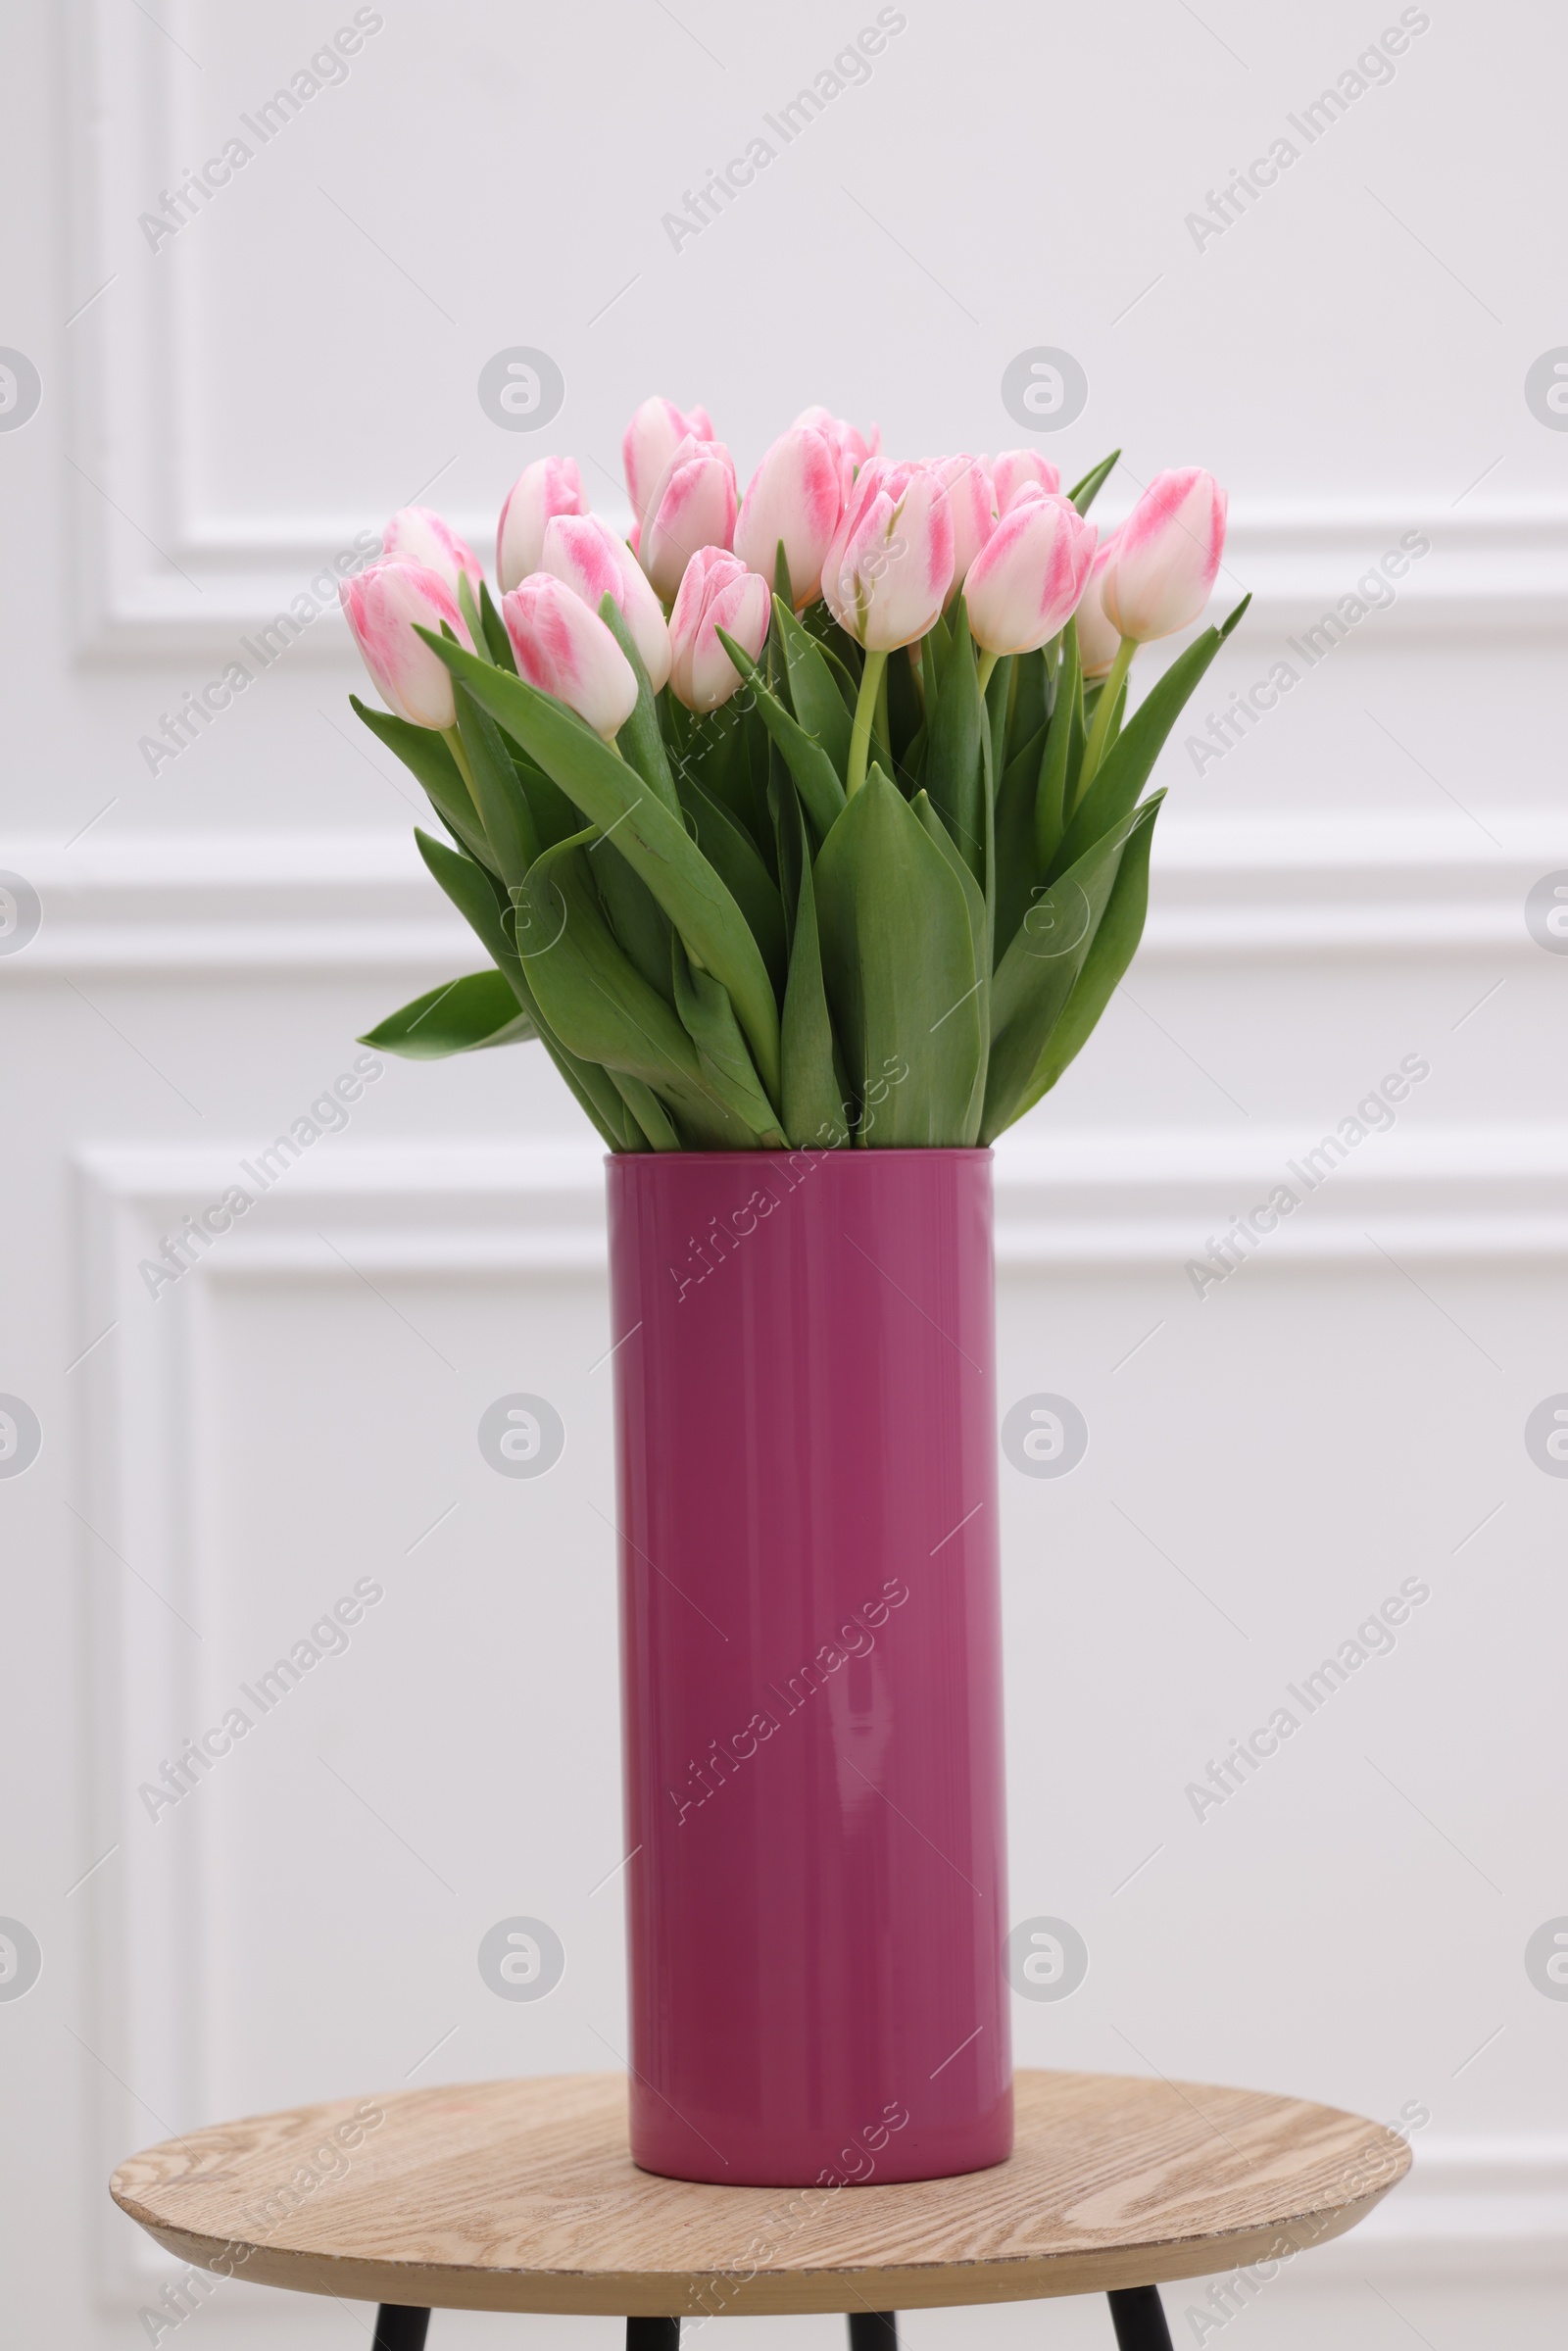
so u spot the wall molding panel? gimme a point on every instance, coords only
(1249, 889)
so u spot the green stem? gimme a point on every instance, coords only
(1110, 694)
(988, 663)
(861, 731)
(454, 743)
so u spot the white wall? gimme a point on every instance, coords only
(1345, 887)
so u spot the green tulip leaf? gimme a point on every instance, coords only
(494, 632)
(898, 960)
(1116, 942)
(1125, 770)
(814, 1085)
(1036, 977)
(814, 692)
(652, 841)
(428, 756)
(817, 779)
(708, 1018)
(639, 741)
(465, 1016)
(498, 795)
(955, 763)
(598, 1004)
(730, 851)
(1083, 493)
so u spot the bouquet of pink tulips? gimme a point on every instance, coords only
(801, 818)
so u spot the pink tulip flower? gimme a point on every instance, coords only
(1096, 639)
(974, 513)
(1015, 469)
(382, 606)
(888, 572)
(550, 485)
(1026, 580)
(692, 504)
(716, 592)
(417, 534)
(566, 649)
(584, 552)
(651, 440)
(1167, 556)
(853, 447)
(795, 495)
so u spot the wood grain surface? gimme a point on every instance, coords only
(522, 2195)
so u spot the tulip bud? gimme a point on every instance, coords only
(651, 440)
(1025, 581)
(854, 449)
(1015, 468)
(382, 606)
(416, 534)
(717, 592)
(583, 551)
(974, 517)
(1167, 556)
(890, 566)
(566, 649)
(550, 485)
(1096, 639)
(795, 495)
(692, 504)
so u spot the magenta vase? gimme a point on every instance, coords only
(812, 1664)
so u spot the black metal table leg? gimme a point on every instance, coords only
(1139, 2318)
(399, 2328)
(652, 2335)
(873, 2331)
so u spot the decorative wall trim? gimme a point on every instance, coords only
(1113, 1199)
(1255, 888)
(185, 583)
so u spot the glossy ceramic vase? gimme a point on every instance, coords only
(811, 1670)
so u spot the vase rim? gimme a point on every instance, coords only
(868, 1153)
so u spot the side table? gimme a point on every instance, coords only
(522, 2195)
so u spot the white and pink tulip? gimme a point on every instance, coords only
(417, 534)
(1026, 581)
(651, 438)
(716, 592)
(383, 605)
(583, 551)
(795, 496)
(888, 572)
(566, 649)
(692, 504)
(550, 486)
(1167, 556)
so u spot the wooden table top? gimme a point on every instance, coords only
(522, 2195)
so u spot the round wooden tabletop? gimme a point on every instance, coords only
(522, 2195)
